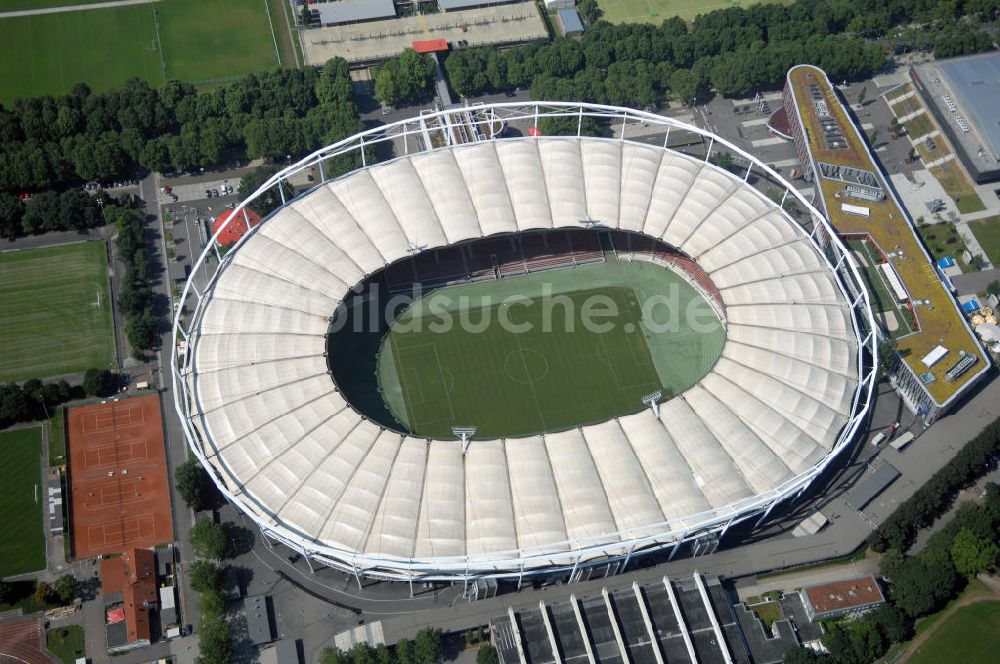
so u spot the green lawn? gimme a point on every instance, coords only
(943, 240)
(918, 126)
(987, 231)
(510, 380)
(66, 643)
(209, 41)
(57, 436)
(22, 496)
(971, 635)
(202, 41)
(957, 185)
(654, 11)
(50, 320)
(49, 53)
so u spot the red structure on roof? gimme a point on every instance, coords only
(430, 45)
(237, 229)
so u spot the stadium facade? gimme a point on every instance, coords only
(260, 411)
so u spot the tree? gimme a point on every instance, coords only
(206, 577)
(333, 656)
(42, 594)
(208, 539)
(427, 649)
(887, 356)
(993, 286)
(861, 96)
(5, 591)
(920, 586)
(405, 652)
(487, 654)
(270, 199)
(306, 15)
(15, 406)
(892, 623)
(723, 160)
(141, 331)
(800, 655)
(590, 10)
(100, 382)
(193, 484)
(66, 588)
(215, 642)
(972, 553)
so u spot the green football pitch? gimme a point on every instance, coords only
(22, 496)
(971, 635)
(200, 41)
(518, 356)
(655, 11)
(55, 314)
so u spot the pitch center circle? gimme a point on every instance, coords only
(525, 366)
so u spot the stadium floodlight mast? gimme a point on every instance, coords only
(464, 434)
(653, 401)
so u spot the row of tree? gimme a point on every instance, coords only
(135, 299)
(48, 211)
(976, 458)
(407, 78)
(51, 142)
(733, 51)
(35, 400)
(424, 649)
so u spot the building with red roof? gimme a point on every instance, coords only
(128, 583)
(234, 231)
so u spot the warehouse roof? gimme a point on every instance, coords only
(351, 11)
(975, 80)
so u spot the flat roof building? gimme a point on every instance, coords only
(839, 598)
(570, 22)
(963, 95)
(258, 620)
(354, 11)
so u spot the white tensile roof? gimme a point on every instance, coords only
(302, 459)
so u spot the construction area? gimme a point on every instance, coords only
(120, 496)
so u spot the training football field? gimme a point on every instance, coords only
(518, 357)
(55, 313)
(22, 495)
(197, 41)
(655, 11)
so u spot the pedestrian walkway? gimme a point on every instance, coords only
(972, 243)
(75, 8)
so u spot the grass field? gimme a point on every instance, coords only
(22, 496)
(66, 643)
(654, 11)
(905, 107)
(971, 635)
(957, 185)
(918, 126)
(202, 41)
(987, 231)
(50, 321)
(49, 53)
(509, 381)
(882, 300)
(210, 41)
(57, 436)
(943, 240)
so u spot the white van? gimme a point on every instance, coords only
(142, 386)
(878, 439)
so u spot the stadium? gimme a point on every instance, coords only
(461, 456)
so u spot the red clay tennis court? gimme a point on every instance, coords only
(119, 493)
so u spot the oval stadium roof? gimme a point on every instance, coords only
(307, 466)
